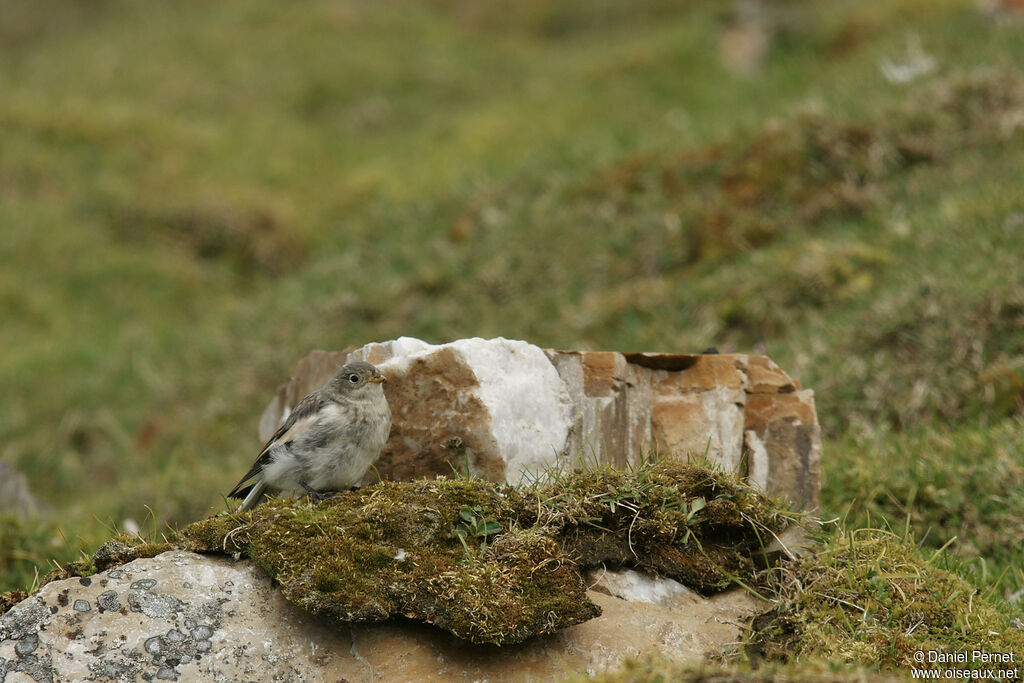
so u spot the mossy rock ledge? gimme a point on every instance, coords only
(492, 563)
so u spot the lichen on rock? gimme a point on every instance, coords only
(492, 563)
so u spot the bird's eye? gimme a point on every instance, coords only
(353, 378)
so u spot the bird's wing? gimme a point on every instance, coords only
(254, 495)
(300, 420)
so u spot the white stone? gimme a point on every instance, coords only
(529, 411)
(757, 462)
(635, 586)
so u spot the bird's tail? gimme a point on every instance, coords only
(257, 494)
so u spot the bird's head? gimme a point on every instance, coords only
(357, 379)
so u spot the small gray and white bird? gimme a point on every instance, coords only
(328, 441)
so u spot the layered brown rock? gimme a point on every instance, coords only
(783, 443)
(501, 409)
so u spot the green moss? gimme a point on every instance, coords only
(871, 598)
(492, 563)
(688, 523)
(961, 487)
(124, 549)
(390, 549)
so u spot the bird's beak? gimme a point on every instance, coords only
(378, 379)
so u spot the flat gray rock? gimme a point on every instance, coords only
(187, 617)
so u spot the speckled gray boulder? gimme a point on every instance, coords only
(187, 617)
(177, 616)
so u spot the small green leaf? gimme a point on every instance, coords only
(489, 528)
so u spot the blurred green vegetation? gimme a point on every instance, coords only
(194, 195)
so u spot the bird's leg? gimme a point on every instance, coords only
(318, 496)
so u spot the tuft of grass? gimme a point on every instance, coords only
(960, 488)
(23, 544)
(870, 598)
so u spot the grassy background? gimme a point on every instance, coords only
(194, 195)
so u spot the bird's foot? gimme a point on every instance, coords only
(317, 497)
